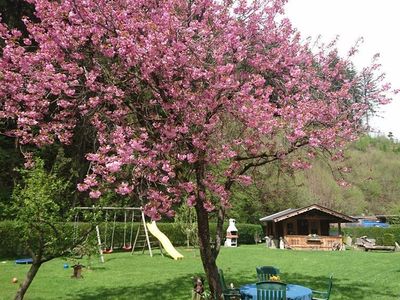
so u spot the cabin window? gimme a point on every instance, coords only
(302, 227)
(314, 227)
(290, 228)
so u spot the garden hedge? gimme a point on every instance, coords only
(382, 235)
(11, 246)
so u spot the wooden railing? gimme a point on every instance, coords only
(314, 242)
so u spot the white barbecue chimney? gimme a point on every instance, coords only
(231, 234)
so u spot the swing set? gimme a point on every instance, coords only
(107, 248)
(128, 247)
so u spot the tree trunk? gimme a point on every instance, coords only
(28, 280)
(219, 231)
(207, 256)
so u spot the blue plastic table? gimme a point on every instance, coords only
(293, 292)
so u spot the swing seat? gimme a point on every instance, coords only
(107, 251)
(127, 247)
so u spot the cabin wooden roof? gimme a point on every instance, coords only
(292, 212)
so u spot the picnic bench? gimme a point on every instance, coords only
(369, 245)
(382, 248)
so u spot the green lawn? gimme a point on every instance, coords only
(357, 275)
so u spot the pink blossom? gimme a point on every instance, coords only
(152, 213)
(245, 180)
(29, 162)
(95, 194)
(302, 165)
(113, 166)
(191, 201)
(188, 186)
(191, 158)
(166, 167)
(90, 180)
(82, 187)
(181, 156)
(170, 213)
(208, 206)
(165, 179)
(123, 189)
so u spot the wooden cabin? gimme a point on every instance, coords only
(306, 228)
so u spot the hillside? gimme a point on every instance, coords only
(371, 172)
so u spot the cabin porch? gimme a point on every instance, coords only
(313, 242)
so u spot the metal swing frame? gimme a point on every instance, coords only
(125, 209)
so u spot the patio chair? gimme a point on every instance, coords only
(320, 295)
(228, 292)
(271, 290)
(265, 272)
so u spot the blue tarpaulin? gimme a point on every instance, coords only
(369, 223)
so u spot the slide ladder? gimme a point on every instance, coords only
(165, 242)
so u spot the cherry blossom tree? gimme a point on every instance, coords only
(186, 97)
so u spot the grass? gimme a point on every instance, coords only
(357, 275)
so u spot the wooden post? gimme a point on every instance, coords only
(77, 271)
(339, 229)
(284, 224)
(274, 235)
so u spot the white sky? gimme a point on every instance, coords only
(377, 21)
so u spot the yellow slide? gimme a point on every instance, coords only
(166, 243)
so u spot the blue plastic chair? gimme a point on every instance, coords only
(227, 292)
(320, 295)
(271, 290)
(265, 272)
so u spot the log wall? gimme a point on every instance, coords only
(313, 243)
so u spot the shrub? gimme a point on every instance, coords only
(376, 233)
(247, 233)
(388, 239)
(394, 220)
(10, 240)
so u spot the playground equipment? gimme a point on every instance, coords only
(140, 239)
(128, 247)
(108, 250)
(164, 240)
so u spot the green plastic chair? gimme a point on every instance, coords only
(227, 292)
(271, 290)
(319, 295)
(265, 272)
